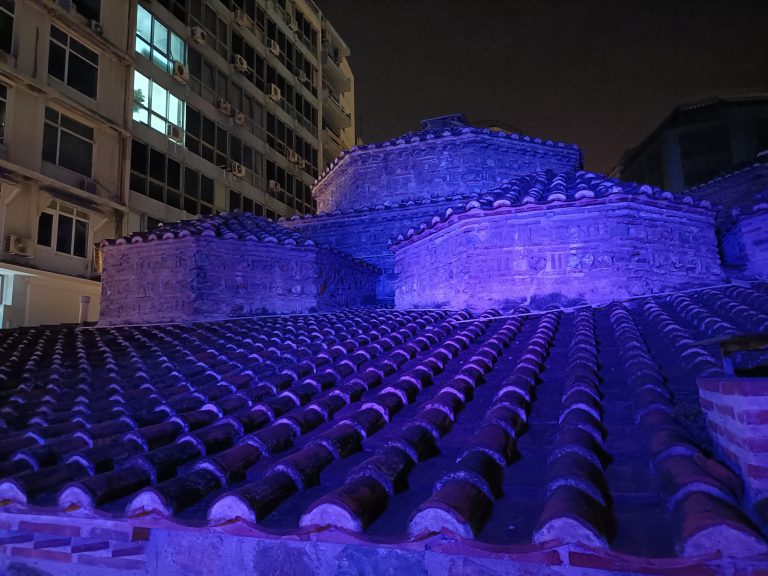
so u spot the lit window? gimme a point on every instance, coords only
(6, 25)
(3, 103)
(73, 63)
(64, 228)
(155, 106)
(67, 142)
(156, 43)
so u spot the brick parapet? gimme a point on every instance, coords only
(736, 410)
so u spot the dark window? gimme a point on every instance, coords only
(67, 142)
(91, 9)
(3, 102)
(6, 24)
(45, 229)
(73, 63)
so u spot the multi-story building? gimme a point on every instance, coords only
(192, 107)
(699, 141)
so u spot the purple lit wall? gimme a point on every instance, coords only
(586, 251)
(436, 164)
(207, 278)
(745, 246)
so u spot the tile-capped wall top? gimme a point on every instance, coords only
(534, 145)
(547, 187)
(228, 225)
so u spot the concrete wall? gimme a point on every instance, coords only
(585, 252)
(366, 236)
(196, 279)
(446, 166)
(745, 247)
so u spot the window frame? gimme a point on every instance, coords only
(71, 52)
(8, 11)
(59, 211)
(59, 129)
(156, 54)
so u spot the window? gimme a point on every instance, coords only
(239, 202)
(64, 228)
(151, 223)
(154, 105)
(73, 63)
(156, 43)
(6, 24)
(155, 175)
(177, 8)
(67, 142)
(3, 103)
(91, 9)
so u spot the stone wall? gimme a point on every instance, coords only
(202, 278)
(587, 251)
(745, 246)
(366, 236)
(469, 163)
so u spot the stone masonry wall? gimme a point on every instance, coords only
(200, 278)
(435, 168)
(366, 236)
(586, 252)
(745, 247)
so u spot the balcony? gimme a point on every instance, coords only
(332, 145)
(332, 70)
(333, 112)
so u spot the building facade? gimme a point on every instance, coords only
(698, 142)
(194, 107)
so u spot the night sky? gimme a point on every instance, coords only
(601, 74)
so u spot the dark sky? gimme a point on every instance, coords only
(601, 74)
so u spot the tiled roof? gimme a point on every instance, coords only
(429, 135)
(580, 427)
(229, 225)
(547, 187)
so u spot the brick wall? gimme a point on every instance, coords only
(588, 251)
(745, 246)
(198, 278)
(435, 168)
(737, 417)
(366, 236)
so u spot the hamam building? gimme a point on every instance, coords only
(528, 378)
(117, 116)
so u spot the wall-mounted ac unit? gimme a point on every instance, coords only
(19, 246)
(175, 133)
(274, 93)
(291, 155)
(224, 106)
(237, 169)
(242, 19)
(240, 63)
(180, 72)
(199, 35)
(302, 76)
(293, 25)
(301, 163)
(96, 27)
(274, 47)
(274, 186)
(239, 118)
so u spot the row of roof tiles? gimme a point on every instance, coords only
(240, 420)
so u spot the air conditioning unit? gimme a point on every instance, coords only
(199, 35)
(274, 186)
(301, 163)
(175, 133)
(224, 106)
(239, 118)
(291, 155)
(293, 25)
(19, 246)
(180, 72)
(237, 169)
(97, 27)
(274, 93)
(302, 76)
(274, 47)
(240, 63)
(242, 19)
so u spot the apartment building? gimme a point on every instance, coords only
(116, 116)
